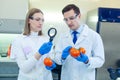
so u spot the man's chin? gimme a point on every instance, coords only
(73, 28)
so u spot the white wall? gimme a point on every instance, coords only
(109, 3)
(55, 6)
(13, 9)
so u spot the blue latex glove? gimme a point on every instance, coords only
(66, 52)
(83, 58)
(51, 67)
(45, 48)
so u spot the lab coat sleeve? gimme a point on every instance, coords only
(97, 59)
(25, 65)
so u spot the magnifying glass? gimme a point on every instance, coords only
(52, 33)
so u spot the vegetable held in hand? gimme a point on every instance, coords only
(82, 50)
(79, 55)
(74, 52)
(48, 62)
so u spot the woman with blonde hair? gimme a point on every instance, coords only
(30, 49)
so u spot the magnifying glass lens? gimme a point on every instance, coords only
(52, 32)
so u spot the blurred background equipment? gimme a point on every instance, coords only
(106, 22)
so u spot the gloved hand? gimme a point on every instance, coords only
(51, 67)
(83, 58)
(45, 48)
(66, 52)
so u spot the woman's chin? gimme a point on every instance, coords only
(39, 30)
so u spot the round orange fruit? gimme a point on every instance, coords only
(82, 50)
(48, 62)
(74, 52)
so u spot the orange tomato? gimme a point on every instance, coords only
(74, 52)
(82, 50)
(48, 62)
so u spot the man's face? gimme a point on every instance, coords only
(72, 19)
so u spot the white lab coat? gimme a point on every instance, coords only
(73, 69)
(23, 50)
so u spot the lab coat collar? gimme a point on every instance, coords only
(85, 30)
(82, 36)
(83, 33)
(79, 30)
(32, 34)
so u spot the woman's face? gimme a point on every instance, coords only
(36, 22)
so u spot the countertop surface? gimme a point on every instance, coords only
(6, 59)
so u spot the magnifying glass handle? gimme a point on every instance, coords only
(51, 39)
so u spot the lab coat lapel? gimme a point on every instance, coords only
(68, 39)
(83, 35)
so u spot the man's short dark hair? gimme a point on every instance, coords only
(70, 7)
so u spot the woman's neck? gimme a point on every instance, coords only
(33, 33)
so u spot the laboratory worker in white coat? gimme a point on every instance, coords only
(30, 48)
(83, 66)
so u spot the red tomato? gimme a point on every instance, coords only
(82, 50)
(74, 52)
(48, 62)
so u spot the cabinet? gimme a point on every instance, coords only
(8, 70)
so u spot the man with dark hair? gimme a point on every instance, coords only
(82, 66)
(71, 6)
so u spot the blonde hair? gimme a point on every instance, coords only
(30, 13)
